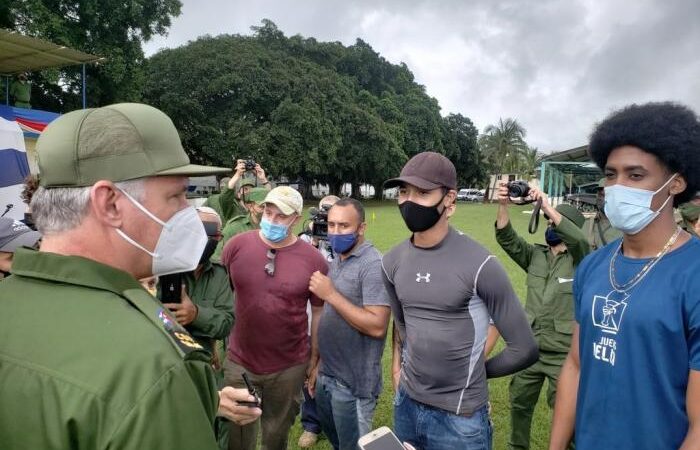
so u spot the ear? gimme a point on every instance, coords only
(361, 229)
(678, 185)
(105, 204)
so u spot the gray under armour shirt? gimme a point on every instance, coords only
(442, 298)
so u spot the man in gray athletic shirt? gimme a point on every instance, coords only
(443, 288)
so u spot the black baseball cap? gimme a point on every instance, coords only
(427, 170)
(15, 234)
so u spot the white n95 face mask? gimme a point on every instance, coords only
(180, 244)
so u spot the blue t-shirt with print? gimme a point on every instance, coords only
(636, 349)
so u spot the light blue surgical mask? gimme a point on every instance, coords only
(273, 232)
(629, 209)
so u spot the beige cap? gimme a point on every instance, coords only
(287, 199)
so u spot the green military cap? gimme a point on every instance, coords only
(256, 195)
(117, 143)
(571, 213)
(246, 182)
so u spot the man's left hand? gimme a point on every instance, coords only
(321, 286)
(260, 173)
(229, 407)
(185, 312)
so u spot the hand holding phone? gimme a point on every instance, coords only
(171, 288)
(252, 391)
(380, 439)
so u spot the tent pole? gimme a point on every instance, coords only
(84, 82)
(7, 90)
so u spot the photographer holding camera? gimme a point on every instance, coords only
(550, 272)
(247, 174)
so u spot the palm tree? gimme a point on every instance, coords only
(529, 161)
(503, 146)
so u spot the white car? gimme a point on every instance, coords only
(470, 195)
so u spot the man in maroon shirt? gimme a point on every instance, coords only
(270, 271)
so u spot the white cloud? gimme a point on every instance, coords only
(557, 67)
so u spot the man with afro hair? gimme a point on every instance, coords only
(632, 376)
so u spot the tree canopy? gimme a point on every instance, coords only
(316, 111)
(109, 28)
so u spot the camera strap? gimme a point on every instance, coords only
(535, 219)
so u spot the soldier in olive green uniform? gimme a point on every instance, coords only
(550, 272)
(254, 200)
(21, 92)
(597, 228)
(206, 306)
(690, 212)
(88, 359)
(228, 204)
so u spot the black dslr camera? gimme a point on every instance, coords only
(319, 222)
(518, 189)
(249, 164)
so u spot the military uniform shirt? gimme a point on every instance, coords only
(212, 294)
(90, 360)
(226, 204)
(600, 232)
(550, 304)
(235, 226)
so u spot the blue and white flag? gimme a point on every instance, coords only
(14, 167)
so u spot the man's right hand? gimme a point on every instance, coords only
(395, 379)
(502, 193)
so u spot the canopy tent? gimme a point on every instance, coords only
(31, 121)
(568, 172)
(19, 53)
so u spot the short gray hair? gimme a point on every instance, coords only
(55, 210)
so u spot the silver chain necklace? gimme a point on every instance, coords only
(645, 270)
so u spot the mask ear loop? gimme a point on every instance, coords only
(669, 195)
(150, 215)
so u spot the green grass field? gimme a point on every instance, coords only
(385, 228)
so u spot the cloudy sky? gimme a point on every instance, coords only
(555, 66)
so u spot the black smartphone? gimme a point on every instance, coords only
(171, 288)
(252, 391)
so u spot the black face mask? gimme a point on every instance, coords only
(418, 217)
(551, 237)
(208, 250)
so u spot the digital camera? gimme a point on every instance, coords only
(319, 222)
(518, 189)
(250, 164)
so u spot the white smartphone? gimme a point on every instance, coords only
(380, 439)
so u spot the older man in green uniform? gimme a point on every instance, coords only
(250, 220)
(597, 228)
(88, 359)
(550, 273)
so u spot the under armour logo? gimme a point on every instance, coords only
(420, 277)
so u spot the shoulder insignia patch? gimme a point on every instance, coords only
(180, 336)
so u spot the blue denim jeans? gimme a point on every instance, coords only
(344, 418)
(309, 416)
(430, 428)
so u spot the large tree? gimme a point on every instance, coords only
(110, 28)
(308, 110)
